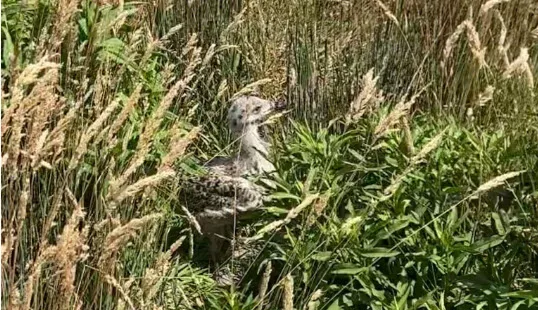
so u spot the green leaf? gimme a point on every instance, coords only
(322, 256)
(489, 243)
(498, 223)
(378, 253)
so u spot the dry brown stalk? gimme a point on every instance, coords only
(112, 281)
(497, 181)
(71, 249)
(520, 65)
(178, 145)
(473, 39)
(287, 296)
(293, 213)
(426, 149)
(146, 137)
(368, 98)
(192, 220)
(66, 9)
(91, 132)
(118, 237)
(490, 4)
(124, 114)
(317, 208)
(312, 305)
(135, 188)
(408, 136)
(264, 284)
(400, 110)
(387, 12)
(485, 96)
(502, 48)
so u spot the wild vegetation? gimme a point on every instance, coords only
(407, 164)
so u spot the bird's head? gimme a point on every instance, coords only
(249, 112)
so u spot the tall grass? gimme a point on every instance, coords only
(406, 174)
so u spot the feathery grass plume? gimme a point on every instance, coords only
(35, 274)
(400, 109)
(48, 103)
(452, 40)
(502, 48)
(287, 294)
(408, 136)
(239, 18)
(485, 96)
(396, 182)
(123, 115)
(387, 12)
(112, 281)
(484, 8)
(497, 181)
(146, 137)
(293, 213)
(264, 284)
(66, 9)
(312, 303)
(178, 145)
(520, 65)
(317, 208)
(90, 133)
(36, 156)
(477, 50)
(70, 249)
(426, 149)
(135, 188)
(192, 220)
(368, 98)
(249, 88)
(119, 237)
(113, 222)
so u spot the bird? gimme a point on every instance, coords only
(225, 192)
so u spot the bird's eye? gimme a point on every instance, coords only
(257, 109)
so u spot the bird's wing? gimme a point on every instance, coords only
(221, 193)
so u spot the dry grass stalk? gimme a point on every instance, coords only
(179, 144)
(71, 248)
(452, 40)
(250, 88)
(293, 213)
(287, 296)
(502, 48)
(484, 8)
(485, 96)
(146, 137)
(387, 12)
(408, 136)
(369, 97)
(66, 10)
(124, 114)
(473, 39)
(430, 146)
(497, 181)
(317, 209)
(118, 237)
(91, 132)
(520, 65)
(135, 188)
(400, 110)
(112, 281)
(192, 220)
(111, 221)
(312, 304)
(264, 284)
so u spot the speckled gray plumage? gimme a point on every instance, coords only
(225, 192)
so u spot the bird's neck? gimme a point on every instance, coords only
(254, 151)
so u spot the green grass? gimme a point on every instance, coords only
(435, 240)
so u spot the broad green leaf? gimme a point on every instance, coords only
(378, 253)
